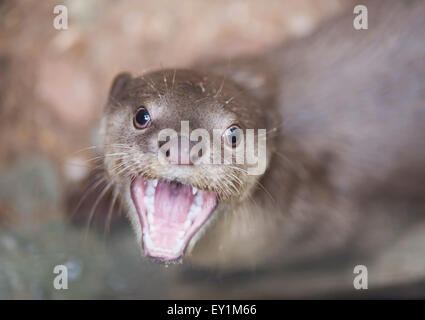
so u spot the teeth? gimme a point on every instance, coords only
(148, 241)
(199, 199)
(178, 246)
(151, 220)
(149, 200)
(196, 206)
(150, 191)
(186, 225)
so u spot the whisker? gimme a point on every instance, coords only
(174, 78)
(110, 211)
(87, 191)
(92, 211)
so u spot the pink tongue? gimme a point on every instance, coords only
(172, 203)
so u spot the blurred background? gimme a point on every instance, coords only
(53, 86)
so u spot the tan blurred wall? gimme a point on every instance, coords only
(53, 83)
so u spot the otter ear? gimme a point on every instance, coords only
(120, 83)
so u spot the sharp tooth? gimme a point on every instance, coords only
(192, 214)
(199, 199)
(151, 218)
(149, 201)
(148, 241)
(155, 182)
(150, 190)
(194, 190)
(186, 225)
(178, 247)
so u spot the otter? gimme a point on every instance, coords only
(343, 112)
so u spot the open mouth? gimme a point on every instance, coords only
(170, 214)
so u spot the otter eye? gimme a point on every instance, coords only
(232, 135)
(142, 119)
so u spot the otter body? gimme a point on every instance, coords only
(344, 112)
(348, 169)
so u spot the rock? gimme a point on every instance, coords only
(30, 185)
(96, 268)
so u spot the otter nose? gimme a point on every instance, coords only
(179, 151)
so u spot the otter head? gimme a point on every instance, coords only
(181, 147)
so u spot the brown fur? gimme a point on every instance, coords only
(345, 111)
